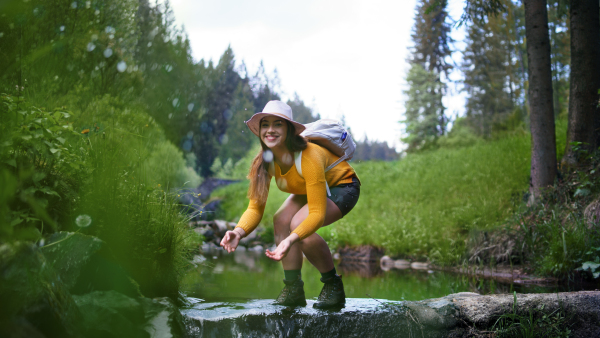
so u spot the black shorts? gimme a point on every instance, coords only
(345, 195)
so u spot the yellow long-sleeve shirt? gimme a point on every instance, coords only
(314, 161)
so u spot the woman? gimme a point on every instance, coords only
(305, 211)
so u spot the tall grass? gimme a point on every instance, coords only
(128, 197)
(427, 203)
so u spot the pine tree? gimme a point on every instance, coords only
(214, 122)
(489, 67)
(425, 118)
(301, 112)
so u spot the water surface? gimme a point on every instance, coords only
(245, 275)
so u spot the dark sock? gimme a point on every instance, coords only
(328, 274)
(292, 274)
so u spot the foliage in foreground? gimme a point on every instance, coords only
(96, 172)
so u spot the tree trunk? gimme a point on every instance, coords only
(543, 142)
(584, 119)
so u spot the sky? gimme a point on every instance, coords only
(341, 57)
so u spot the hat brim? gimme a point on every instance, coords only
(254, 122)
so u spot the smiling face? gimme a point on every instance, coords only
(273, 131)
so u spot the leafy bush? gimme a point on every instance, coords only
(556, 234)
(167, 166)
(41, 166)
(100, 178)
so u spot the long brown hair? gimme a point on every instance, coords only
(259, 171)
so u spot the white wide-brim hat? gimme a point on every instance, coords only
(275, 108)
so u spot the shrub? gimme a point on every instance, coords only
(41, 167)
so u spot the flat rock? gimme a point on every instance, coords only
(359, 318)
(454, 315)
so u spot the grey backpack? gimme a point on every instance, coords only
(331, 135)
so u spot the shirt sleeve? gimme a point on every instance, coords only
(313, 170)
(253, 214)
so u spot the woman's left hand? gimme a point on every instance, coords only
(281, 251)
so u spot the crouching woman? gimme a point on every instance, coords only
(306, 209)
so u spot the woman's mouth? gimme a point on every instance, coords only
(270, 137)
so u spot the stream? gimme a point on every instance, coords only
(248, 275)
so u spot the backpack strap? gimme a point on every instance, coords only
(339, 160)
(298, 161)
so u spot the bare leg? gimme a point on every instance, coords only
(281, 223)
(314, 246)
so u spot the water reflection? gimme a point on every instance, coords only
(250, 275)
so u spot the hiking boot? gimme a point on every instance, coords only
(292, 294)
(332, 295)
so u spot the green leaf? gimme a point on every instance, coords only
(162, 251)
(590, 265)
(26, 137)
(57, 115)
(48, 191)
(38, 176)
(61, 140)
(582, 192)
(54, 150)
(11, 162)
(16, 221)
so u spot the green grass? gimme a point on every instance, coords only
(427, 203)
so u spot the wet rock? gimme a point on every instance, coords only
(208, 248)
(69, 252)
(210, 184)
(220, 227)
(401, 264)
(207, 232)
(455, 315)
(361, 253)
(419, 266)
(480, 310)
(386, 263)
(257, 248)
(210, 209)
(252, 237)
(260, 318)
(198, 260)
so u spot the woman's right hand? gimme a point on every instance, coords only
(231, 240)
